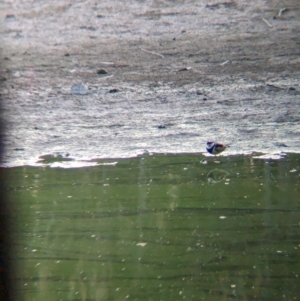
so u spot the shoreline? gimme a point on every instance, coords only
(61, 161)
(155, 76)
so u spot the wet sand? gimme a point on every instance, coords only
(90, 80)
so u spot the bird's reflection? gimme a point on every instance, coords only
(216, 175)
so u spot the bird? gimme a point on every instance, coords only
(215, 148)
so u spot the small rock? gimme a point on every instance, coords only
(280, 144)
(293, 91)
(184, 69)
(229, 4)
(79, 89)
(161, 127)
(101, 72)
(273, 88)
(114, 90)
(10, 17)
(92, 28)
(67, 54)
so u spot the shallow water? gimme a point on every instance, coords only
(160, 227)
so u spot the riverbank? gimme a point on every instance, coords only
(104, 80)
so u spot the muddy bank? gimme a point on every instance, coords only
(95, 80)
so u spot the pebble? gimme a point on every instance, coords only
(79, 89)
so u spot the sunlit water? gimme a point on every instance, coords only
(160, 227)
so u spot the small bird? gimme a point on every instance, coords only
(215, 148)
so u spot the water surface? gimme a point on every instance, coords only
(158, 227)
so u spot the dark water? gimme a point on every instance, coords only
(161, 227)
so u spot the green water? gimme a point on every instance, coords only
(161, 227)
